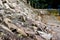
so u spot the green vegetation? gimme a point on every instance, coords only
(43, 4)
(54, 12)
(39, 3)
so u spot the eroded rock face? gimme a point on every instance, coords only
(18, 21)
(14, 20)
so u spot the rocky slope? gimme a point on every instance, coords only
(19, 21)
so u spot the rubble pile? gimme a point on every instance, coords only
(18, 21)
